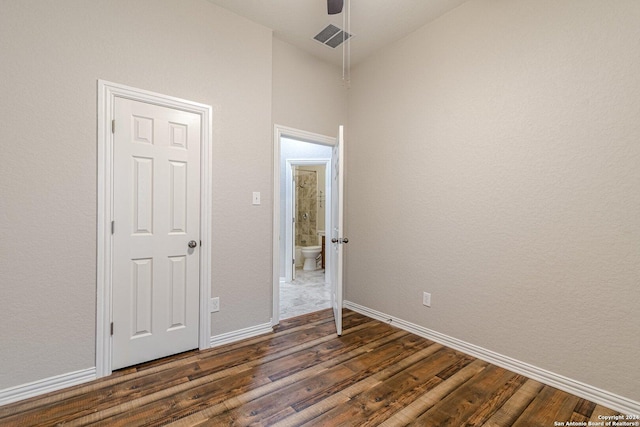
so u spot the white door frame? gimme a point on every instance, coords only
(301, 135)
(107, 92)
(290, 194)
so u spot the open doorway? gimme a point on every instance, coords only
(307, 192)
(304, 170)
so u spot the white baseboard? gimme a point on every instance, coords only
(36, 388)
(586, 391)
(229, 337)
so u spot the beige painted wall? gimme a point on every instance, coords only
(52, 54)
(308, 94)
(505, 140)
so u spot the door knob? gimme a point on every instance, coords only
(344, 240)
(334, 240)
(193, 244)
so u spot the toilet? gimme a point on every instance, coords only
(310, 253)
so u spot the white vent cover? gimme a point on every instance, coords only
(332, 36)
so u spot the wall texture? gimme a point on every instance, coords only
(52, 54)
(504, 140)
(308, 93)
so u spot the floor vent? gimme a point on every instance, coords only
(332, 36)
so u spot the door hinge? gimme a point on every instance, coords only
(113, 126)
(293, 261)
(113, 227)
(111, 328)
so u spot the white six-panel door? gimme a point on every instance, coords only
(156, 203)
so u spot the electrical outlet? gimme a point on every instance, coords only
(426, 299)
(214, 304)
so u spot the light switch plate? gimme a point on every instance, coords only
(256, 198)
(426, 299)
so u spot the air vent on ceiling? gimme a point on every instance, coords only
(332, 36)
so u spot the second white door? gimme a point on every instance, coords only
(337, 233)
(156, 232)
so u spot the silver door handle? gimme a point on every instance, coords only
(340, 241)
(193, 244)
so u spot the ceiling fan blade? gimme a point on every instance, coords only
(335, 6)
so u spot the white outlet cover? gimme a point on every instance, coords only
(214, 304)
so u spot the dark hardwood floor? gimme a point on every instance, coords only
(303, 374)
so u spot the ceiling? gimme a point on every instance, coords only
(374, 23)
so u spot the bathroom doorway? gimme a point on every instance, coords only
(306, 213)
(305, 172)
(305, 288)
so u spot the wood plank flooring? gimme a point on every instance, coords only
(304, 375)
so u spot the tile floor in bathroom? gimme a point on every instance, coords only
(309, 292)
